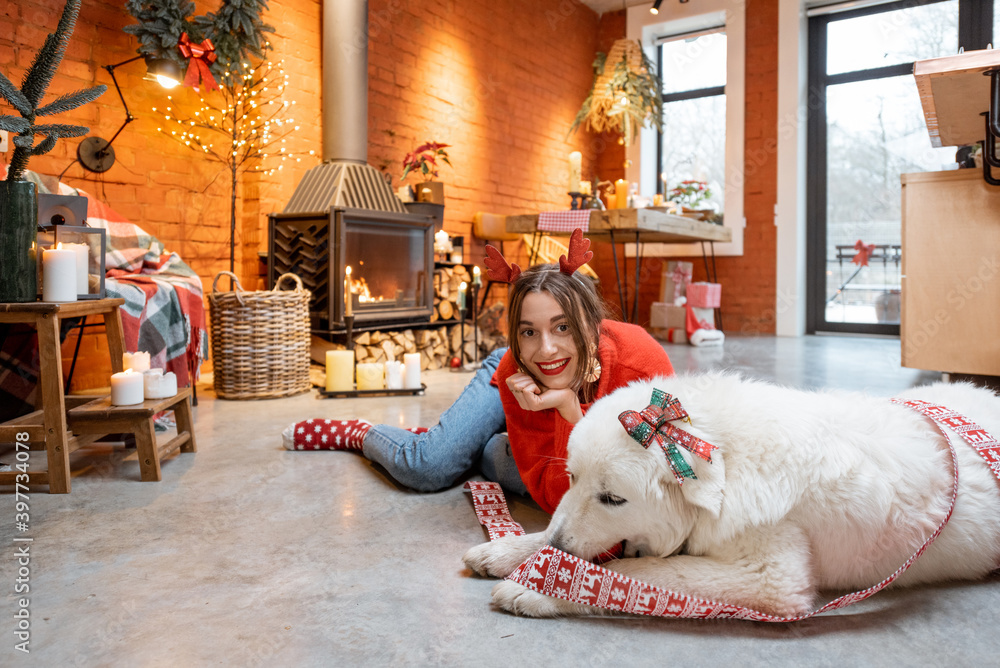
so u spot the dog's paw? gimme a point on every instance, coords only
(520, 600)
(500, 557)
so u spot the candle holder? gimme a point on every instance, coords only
(349, 327)
(94, 242)
(475, 364)
(461, 344)
(579, 200)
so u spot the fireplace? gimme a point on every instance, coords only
(390, 255)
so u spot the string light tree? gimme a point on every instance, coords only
(247, 124)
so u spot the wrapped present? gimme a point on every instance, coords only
(670, 335)
(666, 316)
(675, 279)
(704, 295)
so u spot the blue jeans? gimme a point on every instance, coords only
(471, 431)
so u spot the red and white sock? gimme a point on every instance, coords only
(320, 434)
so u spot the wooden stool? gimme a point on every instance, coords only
(100, 417)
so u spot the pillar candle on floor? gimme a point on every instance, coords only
(339, 370)
(394, 375)
(370, 376)
(411, 371)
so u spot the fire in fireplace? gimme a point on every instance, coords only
(390, 255)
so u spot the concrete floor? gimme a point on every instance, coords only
(247, 554)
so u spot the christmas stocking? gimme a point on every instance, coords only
(319, 434)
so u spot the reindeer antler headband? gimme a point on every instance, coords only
(498, 269)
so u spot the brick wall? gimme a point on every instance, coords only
(749, 283)
(454, 71)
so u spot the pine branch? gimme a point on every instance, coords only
(60, 131)
(72, 100)
(43, 68)
(10, 93)
(14, 124)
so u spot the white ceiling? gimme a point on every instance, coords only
(603, 6)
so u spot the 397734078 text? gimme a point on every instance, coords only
(22, 546)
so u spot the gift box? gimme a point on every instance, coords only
(674, 281)
(704, 295)
(666, 316)
(671, 335)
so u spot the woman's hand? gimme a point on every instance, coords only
(531, 397)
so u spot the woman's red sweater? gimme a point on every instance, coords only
(538, 438)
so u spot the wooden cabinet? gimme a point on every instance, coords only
(951, 273)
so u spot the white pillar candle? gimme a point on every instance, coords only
(82, 265)
(126, 388)
(59, 275)
(411, 371)
(461, 295)
(575, 171)
(159, 385)
(136, 361)
(370, 376)
(394, 375)
(477, 279)
(339, 370)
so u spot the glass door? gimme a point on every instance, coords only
(866, 128)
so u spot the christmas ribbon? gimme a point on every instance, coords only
(556, 573)
(199, 56)
(653, 424)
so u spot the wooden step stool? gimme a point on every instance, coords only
(100, 417)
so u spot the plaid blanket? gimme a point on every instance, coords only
(164, 311)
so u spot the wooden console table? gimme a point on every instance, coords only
(637, 226)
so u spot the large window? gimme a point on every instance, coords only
(866, 127)
(692, 146)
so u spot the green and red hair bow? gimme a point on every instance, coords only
(653, 424)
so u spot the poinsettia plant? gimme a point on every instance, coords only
(425, 160)
(690, 193)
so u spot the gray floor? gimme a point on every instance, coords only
(246, 554)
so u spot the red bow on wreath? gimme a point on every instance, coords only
(199, 56)
(864, 252)
(653, 424)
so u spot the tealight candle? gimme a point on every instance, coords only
(127, 388)
(59, 275)
(370, 376)
(393, 375)
(411, 371)
(136, 361)
(158, 385)
(339, 370)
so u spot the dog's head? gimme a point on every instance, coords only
(621, 491)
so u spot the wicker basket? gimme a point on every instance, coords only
(260, 340)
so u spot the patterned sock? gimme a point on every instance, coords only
(418, 430)
(322, 434)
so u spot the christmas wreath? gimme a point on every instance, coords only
(208, 46)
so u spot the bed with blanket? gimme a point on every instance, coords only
(163, 314)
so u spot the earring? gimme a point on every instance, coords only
(593, 369)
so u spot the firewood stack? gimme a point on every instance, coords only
(446, 282)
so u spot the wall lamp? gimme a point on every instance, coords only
(96, 154)
(655, 9)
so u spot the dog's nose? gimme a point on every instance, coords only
(558, 541)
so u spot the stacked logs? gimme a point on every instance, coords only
(437, 345)
(446, 282)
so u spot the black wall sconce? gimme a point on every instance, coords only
(95, 153)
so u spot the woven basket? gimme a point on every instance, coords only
(260, 340)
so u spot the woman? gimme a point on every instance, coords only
(564, 354)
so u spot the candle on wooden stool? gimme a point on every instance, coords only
(394, 375)
(126, 388)
(136, 361)
(370, 376)
(82, 262)
(59, 275)
(158, 385)
(339, 370)
(411, 371)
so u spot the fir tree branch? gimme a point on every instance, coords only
(72, 100)
(10, 93)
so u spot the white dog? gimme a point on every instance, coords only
(806, 491)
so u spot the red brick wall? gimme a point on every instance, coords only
(455, 71)
(749, 283)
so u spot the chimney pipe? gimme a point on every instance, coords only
(345, 81)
